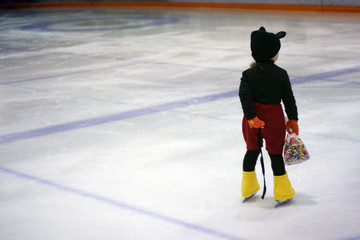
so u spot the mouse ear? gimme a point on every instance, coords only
(280, 34)
(262, 29)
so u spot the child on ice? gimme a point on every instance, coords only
(262, 88)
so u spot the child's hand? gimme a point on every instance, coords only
(256, 123)
(292, 126)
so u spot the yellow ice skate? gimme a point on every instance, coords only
(249, 185)
(283, 191)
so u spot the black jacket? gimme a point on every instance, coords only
(266, 84)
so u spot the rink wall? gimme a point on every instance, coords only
(288, 5)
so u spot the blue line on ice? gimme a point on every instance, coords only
(13, 137)
(17, 136)
(121, 205)
(325, 75)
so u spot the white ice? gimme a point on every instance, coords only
(75, 165)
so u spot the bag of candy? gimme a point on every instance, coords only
(294, 150)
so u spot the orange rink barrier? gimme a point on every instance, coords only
(283, 7)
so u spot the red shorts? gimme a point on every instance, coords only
(273, 132)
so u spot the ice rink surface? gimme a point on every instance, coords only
(124, 123)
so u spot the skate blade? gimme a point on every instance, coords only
(249, 197)
(281, 203)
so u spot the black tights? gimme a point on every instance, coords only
(277, 162)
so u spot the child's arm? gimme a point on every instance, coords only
(246, 98)
(289, 100)
(290, 106)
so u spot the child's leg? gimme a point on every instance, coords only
(250, 160)
(282, 186)
(249, 185)
(277, 164)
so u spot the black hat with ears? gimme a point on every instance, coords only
(265, 45)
